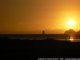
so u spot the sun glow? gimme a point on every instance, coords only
(71, 39)
(71, 23)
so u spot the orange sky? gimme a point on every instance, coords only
(21, 16)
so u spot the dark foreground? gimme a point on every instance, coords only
(39, 48)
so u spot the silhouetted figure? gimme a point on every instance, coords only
(43, 32)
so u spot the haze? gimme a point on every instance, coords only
(22, 16)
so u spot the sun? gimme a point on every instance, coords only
(71, 23)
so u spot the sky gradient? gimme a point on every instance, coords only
(22, 16)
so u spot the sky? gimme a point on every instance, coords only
(26, 16)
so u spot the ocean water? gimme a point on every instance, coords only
(34, 36)
(64, 37)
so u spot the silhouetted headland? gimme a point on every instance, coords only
(40, 45)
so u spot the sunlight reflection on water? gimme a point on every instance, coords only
(72, 39)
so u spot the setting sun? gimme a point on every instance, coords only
(71, 23)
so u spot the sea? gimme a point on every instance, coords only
(33, 36)
(38, 37)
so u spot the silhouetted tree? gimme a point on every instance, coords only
(71, 31)
(78, 32)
